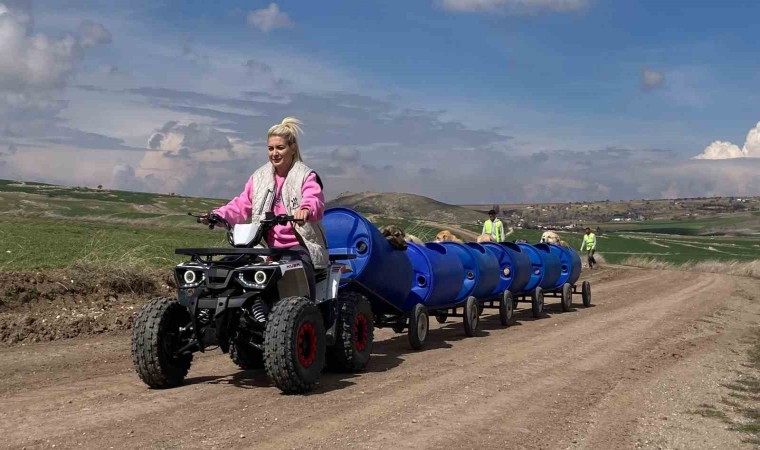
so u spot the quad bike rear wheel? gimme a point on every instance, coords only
(294, 345)
(158, 332)
(354, 334)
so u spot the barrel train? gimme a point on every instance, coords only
(448, 279)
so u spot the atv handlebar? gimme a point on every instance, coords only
(211, 220)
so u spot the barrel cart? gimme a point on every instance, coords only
(406, 287)
(554, 272)
(570, 271)
(513, 274)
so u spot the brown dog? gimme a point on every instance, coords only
(550, 237)
(397, 237)
(446, 235)
(484, 238)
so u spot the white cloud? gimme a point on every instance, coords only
(727, 150)
(514, 6)
(651, 79)
(721, 150)
(752, 144)
(269, 19)
(34, 68)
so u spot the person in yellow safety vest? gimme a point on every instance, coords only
(493, 227)
(589, 245)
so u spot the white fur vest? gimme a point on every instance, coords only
(311, 234)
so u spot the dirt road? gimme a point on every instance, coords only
(628, 372)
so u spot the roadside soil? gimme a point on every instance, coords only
(628, 372)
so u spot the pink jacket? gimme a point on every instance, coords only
(238, 210)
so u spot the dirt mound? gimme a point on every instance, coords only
(50, 305)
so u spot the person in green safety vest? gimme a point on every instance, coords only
(589, 245)
(493, 227)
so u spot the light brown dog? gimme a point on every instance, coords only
(564, 244)
(550, 237)
(484, 238)
(446, 235)
(398, 238)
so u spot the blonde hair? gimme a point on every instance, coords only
(289, 129)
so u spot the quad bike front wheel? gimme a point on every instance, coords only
(354, 334)
(294, 345)
(159, 331)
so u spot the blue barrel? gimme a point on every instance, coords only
(514, 266)
(551, 265)
(488, 270)
(378, 266)
(536, 266)
(480, 269)
(570, 264)
(469, 269)
(437, 275)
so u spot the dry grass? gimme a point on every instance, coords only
(740, 268)
(121, 272)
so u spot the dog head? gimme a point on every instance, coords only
(446, 236)
(395, 236)
(484, 238)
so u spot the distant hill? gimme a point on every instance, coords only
(408, 206)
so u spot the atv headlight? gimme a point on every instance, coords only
(189, 277)
(253, 280)
(260, 277)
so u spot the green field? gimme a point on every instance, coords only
(617, 246)
(33, 244)
(45, 226)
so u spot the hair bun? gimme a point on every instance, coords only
(293, 125)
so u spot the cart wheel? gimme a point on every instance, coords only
(441, 318)
(399, 328)
(418, 326)
(506, 308)
(537, 302)
(586, 293)
(567, 297)
(471, 316)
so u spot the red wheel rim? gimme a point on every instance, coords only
(360, 332)
(306, 344)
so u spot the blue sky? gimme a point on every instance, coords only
(471, 101)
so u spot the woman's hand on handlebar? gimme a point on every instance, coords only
(301, 216)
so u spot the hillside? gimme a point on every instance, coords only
(40, 200)
(407, 206)
(736, 216)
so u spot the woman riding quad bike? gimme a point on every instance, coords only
(272, 302)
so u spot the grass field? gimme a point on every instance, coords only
(617, 246)
(45, 226)
(34, 244)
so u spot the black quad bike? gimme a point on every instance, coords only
(253, 303)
